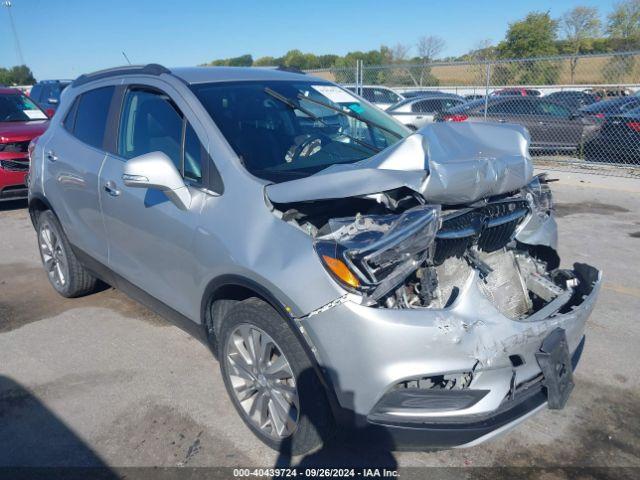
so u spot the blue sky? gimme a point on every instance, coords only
(64, 38)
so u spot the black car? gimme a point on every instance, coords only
(552, 126)
(46, 93)
(615, 106)
(617, 141)
(573, 99)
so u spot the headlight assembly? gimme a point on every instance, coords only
(372, 254)
(538, 193)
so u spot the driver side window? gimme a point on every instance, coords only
(151, 122)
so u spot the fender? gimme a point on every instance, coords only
(232, 280)
(38, 197)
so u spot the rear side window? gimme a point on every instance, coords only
(35, 93)
(512, 107)
(70, 119)
(426, 106)
(91, 113)
(552, 109)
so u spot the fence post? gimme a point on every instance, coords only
(486, 91)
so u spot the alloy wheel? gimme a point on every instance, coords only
(54, 257)
(262, 380)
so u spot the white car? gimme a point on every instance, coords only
(417, 112)
(381, 97)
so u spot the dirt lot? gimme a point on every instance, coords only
(101, 380)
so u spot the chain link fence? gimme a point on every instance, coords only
(582, 112)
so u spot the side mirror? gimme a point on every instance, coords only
(155, 170)
(52, 101)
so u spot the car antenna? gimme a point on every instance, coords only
(126, 58)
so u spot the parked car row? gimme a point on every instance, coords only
(568, 121)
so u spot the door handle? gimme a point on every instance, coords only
(51, 156)
(111, 188)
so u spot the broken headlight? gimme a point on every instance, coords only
(539, 196)
(372, 254)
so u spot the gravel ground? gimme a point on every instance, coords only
(103, 381)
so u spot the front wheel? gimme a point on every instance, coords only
(271, 381)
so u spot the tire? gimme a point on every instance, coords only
(65, 273)
(314, 424)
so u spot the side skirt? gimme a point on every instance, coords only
(104, 273)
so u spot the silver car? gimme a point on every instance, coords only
(346, 272)
(417, 112)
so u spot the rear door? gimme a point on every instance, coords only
(73, 157)
(558, 128)
(522, 111)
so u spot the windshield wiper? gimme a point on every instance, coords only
(349, 113)
(296, 106)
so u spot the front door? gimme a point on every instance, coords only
(150, 239)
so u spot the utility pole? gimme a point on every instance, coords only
(7, 4)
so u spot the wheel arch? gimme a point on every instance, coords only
(37, 205)
(235, 288)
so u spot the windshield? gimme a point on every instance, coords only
(280, 130)
(19, 108)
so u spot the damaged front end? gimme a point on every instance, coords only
(398, 252)
(454, 312)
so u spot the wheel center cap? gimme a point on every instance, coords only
(262, 380)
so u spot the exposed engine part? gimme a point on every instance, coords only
(471, 256)
(520, 280)
(453, 381)
(505, 287)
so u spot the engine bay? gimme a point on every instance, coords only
(400, 253)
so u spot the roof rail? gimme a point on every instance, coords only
(149, 69)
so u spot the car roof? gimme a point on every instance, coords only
(9, 91)
(426, 99)
(53, 81)
(612, 102)
(194, 75)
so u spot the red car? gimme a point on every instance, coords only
(21, 120)
(522, 92)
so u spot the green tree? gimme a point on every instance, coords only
(534, 36)
(624, 20)
(18, 75)
(580, 26)
(241, 61)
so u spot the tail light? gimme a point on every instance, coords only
(634, 126)
(455, 118)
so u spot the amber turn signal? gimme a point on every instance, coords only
(341, 271)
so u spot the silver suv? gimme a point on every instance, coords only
(344, 270)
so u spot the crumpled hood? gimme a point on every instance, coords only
(447, 163)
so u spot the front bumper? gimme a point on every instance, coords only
(13, 171)
(365, 352)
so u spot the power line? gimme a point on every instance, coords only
(7, 4)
